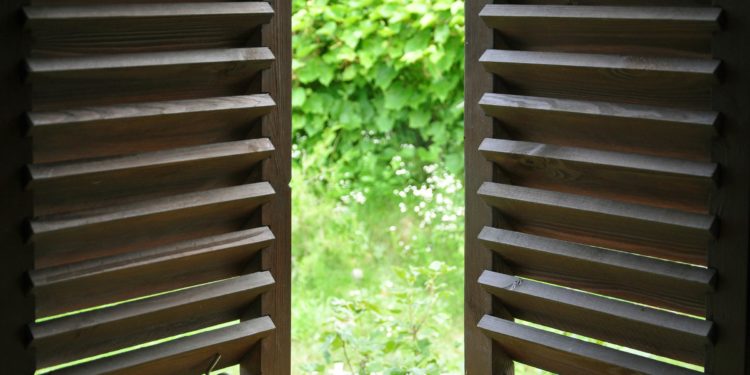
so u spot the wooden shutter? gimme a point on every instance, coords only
(607, 184)
(149, 153)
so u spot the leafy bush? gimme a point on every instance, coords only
(377, 80)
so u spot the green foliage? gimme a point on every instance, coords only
(391, 331)
(375, 80)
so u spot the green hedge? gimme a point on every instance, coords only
(378, 90)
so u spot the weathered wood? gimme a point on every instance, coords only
(652, 231)
(481, 356)
(188, 355)
(648, 130)
(275, 353)
(61, 83)
(669, 82)
(640, 30)
(100, 331)
(566, 355)
(106, 280)
(142, 127)
(650, 281)
(69, 238)
(655, 181)
(639, 327)
(127, 28)
(78, 185)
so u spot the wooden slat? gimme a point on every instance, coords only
(650, 281)
(646, 230)
(639, 327)
(143, 127)
(655, 181)
(566, 355)
(62, 83)
(127, 28)
(659, 131)
(78, 185)
(641, 30)
(188, 355)
(106, 280)
(69, 238)
(100, 331)
(661, 81)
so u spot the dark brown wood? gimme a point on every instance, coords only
(188, 355)
(142, 127)
(669, 285)
(648, 130)
(16, 204)
(121, 277)
(275, 353)
(100, 331)
(126, 28)
(661, 182)
(728, 306)
(646, 30)
(566, 355)
(69, 238)
(652, 231)
(669, 82)
(481, 356)
(61, 83)
(650, 330)
(85, 184)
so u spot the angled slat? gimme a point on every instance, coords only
(124, 28)
(187, 355)
(62, 83)
(652, 231)
(656, 181)
(566, 355)
(650, 330)
(106, 280)
(661, 81)
(142, 127)
(100, 331)
(650, 281)
(640, 30)
(69, 238)
(659, 131)
(78, 185)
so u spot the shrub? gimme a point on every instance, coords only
(377, 80)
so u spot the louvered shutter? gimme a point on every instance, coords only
(607, 185)
(156, 154)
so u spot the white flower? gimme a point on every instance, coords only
(357, 274)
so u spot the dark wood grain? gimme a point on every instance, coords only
(652, 231)
(669, 82)
(645, 30)
(110, 279)
(142, 127)
(655, 181)
(73, 237)
(275, 354)
(78, 185)
(566, 355)
(126, 28)
(70, 82)
(188, 355)
(100, 331)
(638, 327)
(650, 281)
(481, 356)
(648, 130)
